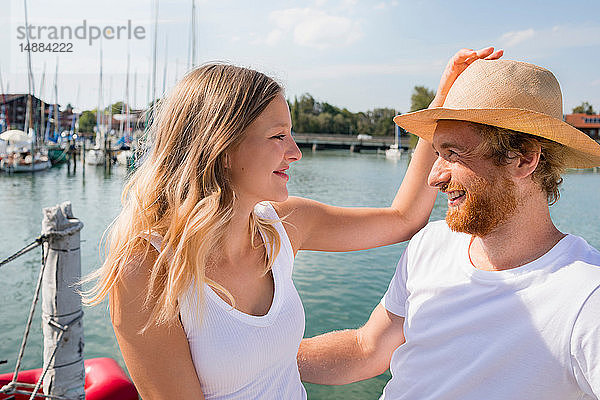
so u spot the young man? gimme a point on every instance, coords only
(495, 302)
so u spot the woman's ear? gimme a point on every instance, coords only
(226, 160)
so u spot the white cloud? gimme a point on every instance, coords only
(596, 82)
(513, 38)
(383, 5)
(348, 3)
(274, 37)
(315, 28)
(552, 39)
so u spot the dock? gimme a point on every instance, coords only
(318, 141)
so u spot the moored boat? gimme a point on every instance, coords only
(94, 157)
(57, 154)
(104, 380)
(24, 162)
(395, 151)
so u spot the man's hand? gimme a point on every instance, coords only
(456, 66)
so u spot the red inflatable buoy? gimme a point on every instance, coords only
(104, 380)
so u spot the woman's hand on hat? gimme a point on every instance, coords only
(456, 66)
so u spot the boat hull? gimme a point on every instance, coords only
(94, 157)
(14, 168)
(57, 155)
(104, 380)
(393, 154)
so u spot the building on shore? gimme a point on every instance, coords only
(587, 123)
(13, 108)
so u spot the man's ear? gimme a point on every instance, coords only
(523, 165)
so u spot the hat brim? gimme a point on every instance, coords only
(582, 151)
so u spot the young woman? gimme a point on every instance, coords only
(199, 264)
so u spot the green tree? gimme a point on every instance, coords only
(383, 121)
(294, 112)
(312, 116)
(421, 98)
(117, 108)
(584, 108)
(87, 121)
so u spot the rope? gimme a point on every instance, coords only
(17, 391)
(30, 318)
(48, 396)
(41, 239)
(66, 232)
(11, 387)
(38, 241)
(63, 329)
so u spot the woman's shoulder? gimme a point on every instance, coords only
(142, 257)
(131, 287)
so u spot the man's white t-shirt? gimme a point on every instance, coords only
(531, 332)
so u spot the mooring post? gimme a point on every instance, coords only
(62, 322)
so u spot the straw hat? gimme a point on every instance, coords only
(513, 95)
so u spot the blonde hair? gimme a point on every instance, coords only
(499, 143)
(182, 190)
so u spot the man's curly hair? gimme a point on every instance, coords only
(501, 144)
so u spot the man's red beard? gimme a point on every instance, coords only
(487, 205)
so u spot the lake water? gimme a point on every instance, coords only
(339, 290)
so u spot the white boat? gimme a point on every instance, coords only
(125, 158)
(94, 157)
(16, 163)
(395, 151)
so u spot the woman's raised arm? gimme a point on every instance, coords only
(317, 226)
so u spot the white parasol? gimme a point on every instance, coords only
(15, 136)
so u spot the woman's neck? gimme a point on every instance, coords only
(238, 236)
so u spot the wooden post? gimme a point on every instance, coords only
(83, 155)
(73, 150)
(61, 304)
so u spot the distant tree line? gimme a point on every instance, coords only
(312, 116)
(584, 108)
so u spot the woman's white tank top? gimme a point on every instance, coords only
(241, 356)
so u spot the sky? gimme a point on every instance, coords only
(356, 54)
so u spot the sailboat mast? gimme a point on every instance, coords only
(5, 121)
(100, 110)
(154, 46)
(164, 85)
(110, 105)
(42, 104)
(134, 88)
(127, 96)
(30, 84)
(56, 113)
(193, 33)
(75, 115)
